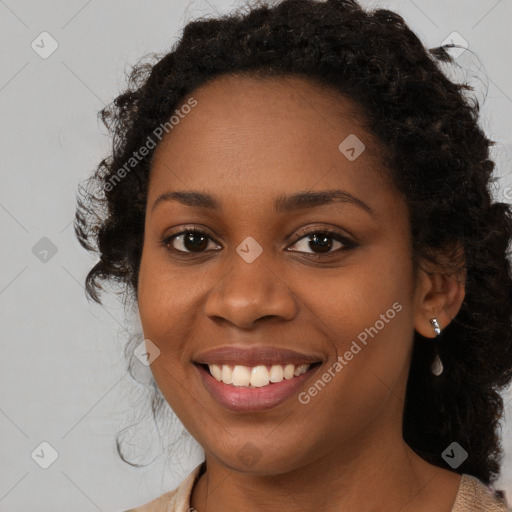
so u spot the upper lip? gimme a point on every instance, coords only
(253, 356)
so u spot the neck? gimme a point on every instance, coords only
(372, 473)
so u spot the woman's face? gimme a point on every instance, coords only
(254, 285)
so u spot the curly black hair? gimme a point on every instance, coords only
(436, 153)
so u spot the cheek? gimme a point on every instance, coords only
(158, 312)
(369, 331)
(351, 298)
(161, 311)
(365, 312)
(161, 294)
(167, 300)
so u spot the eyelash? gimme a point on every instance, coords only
(347, 243)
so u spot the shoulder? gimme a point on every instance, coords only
(177, 500)
(475, 495)
(160, 504)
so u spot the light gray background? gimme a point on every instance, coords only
(62, 374)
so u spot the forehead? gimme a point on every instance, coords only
(251, 135)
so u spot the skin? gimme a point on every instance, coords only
(247, 141)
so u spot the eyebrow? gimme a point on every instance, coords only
(282, 204)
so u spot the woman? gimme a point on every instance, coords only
(299, 202)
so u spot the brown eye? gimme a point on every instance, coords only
(191, 240)
(316, 243)
(321, 242)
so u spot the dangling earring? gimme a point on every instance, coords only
(437, 365)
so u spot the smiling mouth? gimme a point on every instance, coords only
(240, 376)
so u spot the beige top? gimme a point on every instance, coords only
(472, 496)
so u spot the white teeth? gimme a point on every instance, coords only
(216, 371)
(241, 376)
(289, 370)
(257, 376)
(276, 373)
(302, 368)
(226, 374)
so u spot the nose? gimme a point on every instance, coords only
(249, 292)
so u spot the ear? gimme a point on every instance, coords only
(440, 291)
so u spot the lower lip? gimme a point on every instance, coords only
(244, 399)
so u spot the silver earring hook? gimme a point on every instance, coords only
(437, 328)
